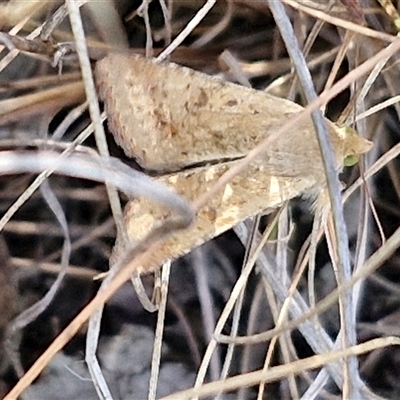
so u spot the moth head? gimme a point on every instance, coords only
(353, 145)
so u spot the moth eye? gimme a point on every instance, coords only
(350, 160)
(346, 132)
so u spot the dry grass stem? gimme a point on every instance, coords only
(299, 299)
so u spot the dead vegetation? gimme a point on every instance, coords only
(304, 322)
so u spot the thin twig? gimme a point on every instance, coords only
(156, 357)
(188, 29)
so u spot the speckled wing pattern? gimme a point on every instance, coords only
(169, 117)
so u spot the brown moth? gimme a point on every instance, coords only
(169, 118)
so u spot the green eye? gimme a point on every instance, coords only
(350, 160)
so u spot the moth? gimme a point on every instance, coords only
(191, 128)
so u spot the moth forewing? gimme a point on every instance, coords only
(168, 117)
(249, 193)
